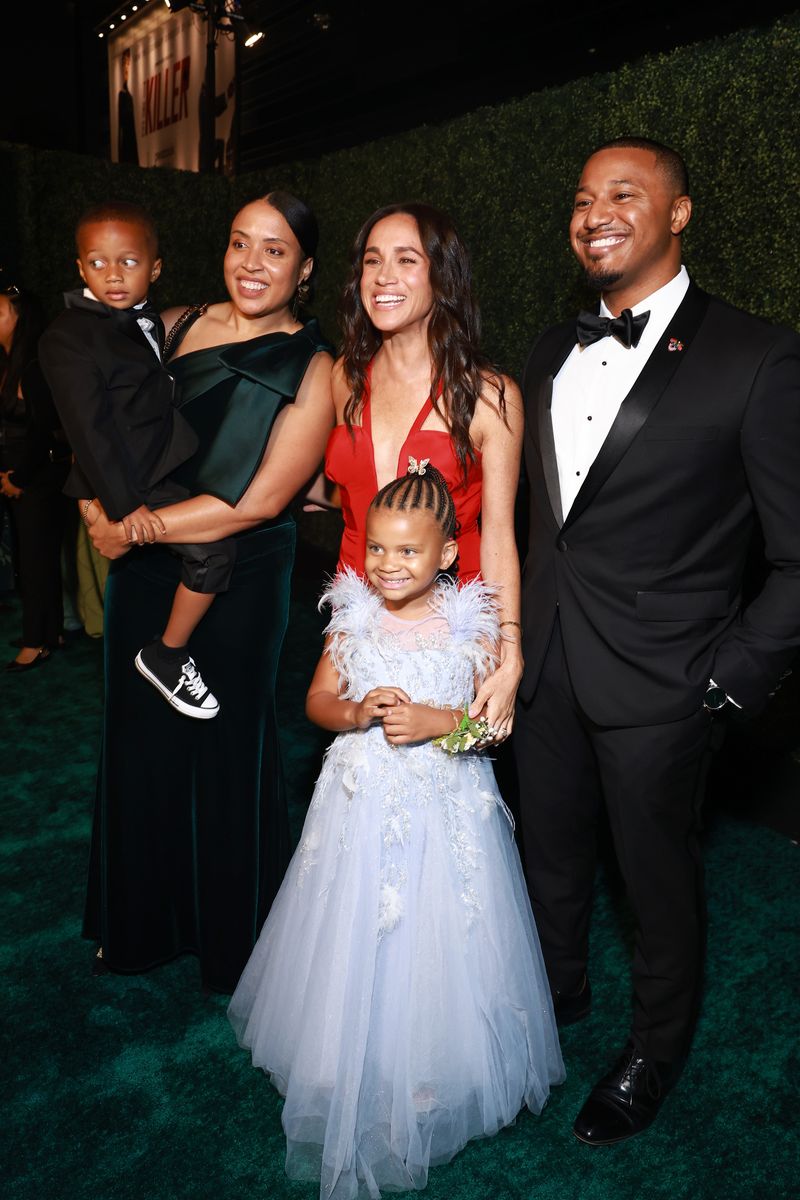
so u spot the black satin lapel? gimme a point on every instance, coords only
(643, 396)
(566, 345)
(124, 320)
(136, 332)
(547, 445)
(159, 335)
(547, 448)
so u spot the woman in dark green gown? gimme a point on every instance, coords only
(190, 838)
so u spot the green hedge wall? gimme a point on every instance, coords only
(506, 174)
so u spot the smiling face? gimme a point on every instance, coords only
(395, 284)
(625, 225)
(264, 262)
(404, 553)
(117, 261)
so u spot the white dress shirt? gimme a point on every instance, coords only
(593, 382)
(145, 324)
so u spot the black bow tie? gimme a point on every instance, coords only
(148, 310)
(123, 316)
(127, 321)
(126, 318)
(626, 328)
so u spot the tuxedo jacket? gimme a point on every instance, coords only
(645, 572)
(115, 401)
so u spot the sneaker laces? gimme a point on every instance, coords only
(193, 680)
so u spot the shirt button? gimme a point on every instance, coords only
(588, 418)
(577, 472)
(605, 364)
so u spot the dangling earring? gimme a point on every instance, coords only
(300, 297)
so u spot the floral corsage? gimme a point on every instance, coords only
(469, 732)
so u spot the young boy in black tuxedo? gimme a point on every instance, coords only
(102, 360)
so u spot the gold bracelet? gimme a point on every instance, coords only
(519, 627)
(85, 510)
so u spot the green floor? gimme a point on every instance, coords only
(134, 1087)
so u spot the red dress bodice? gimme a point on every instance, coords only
(350, 463)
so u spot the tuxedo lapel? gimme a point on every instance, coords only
(547, 446)
(159, 335)
(643, 396)
(127, 321)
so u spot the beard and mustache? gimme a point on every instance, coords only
(601, 280)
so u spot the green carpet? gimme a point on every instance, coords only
(133, 1087)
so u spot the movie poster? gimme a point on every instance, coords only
(158, 97)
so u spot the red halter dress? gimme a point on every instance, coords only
(350, 463)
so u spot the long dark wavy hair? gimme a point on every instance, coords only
(459, 372)
(27, 331)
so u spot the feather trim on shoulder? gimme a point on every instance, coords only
(351, 600)
(471, 613)
(355, 614)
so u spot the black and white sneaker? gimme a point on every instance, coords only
(180, 683)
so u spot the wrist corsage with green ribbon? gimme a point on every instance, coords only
(470, 732)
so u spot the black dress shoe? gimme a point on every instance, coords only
(570, 1008)
(626, 1100)
(16, 667)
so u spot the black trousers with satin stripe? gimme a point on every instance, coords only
(651, 779)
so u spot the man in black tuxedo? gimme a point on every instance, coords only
(657, 435)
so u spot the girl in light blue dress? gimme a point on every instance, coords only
(396, 996)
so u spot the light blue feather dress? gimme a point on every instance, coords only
(397, 996)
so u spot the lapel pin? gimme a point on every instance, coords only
(675, 344)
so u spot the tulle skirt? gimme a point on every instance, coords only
(397, 997)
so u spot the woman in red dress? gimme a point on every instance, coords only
(411, 383)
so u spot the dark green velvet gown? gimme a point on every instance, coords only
(190, 838)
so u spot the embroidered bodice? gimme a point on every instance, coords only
(435, 659)
(435, 663)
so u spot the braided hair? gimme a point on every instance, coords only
(422, 488)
